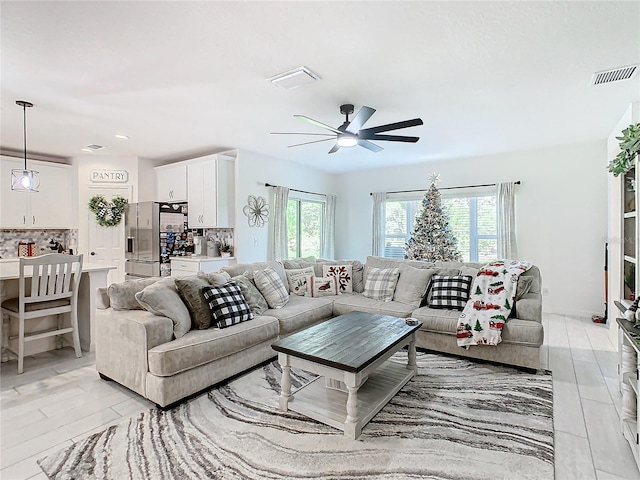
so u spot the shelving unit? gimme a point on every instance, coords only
(629, 374)
(629, 233)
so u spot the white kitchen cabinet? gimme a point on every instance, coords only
(211, 191)
(49, 207)
(185, 266)
(171, 182)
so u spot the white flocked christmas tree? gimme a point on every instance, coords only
(432, 240)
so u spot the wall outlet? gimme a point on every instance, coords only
(255, 242)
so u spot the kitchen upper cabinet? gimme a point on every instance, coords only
(49, 207)
(211, 191)
(171, 182)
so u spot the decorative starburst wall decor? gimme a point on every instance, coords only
(257, 211)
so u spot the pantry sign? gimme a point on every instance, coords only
(109, 176)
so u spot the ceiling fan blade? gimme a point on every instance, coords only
(393, 126)
(390, 138)
(335, 148)
(300, 133)
(307, 143)
(370, 146)
(318, 124)
(360, 119)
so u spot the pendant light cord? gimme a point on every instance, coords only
(24, 113)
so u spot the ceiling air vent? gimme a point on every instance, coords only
(615, 75)
(294, 78)
(95, 147)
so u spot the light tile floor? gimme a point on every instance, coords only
(60, 399)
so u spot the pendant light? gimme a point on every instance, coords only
(22, 179)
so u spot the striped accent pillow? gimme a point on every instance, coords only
(381, 283)
(226, 304)
(271, 287)
(450, 291)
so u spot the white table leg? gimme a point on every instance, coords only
(285, 389)
(411, 363)
(5, 338)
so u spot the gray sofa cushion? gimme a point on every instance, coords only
(240, 268)
(122, 296)
(412, 284)
(190, 290)
(302, 312)
(523, 332)
(199, 347)
(162, 298)
(357, 302)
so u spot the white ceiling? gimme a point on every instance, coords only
(184, 78)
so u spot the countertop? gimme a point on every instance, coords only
(9, 268)
(194, 258)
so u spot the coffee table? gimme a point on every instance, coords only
(350, 353)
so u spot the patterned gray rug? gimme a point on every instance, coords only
(456, 420)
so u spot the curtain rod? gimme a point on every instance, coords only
(448, 188)
(296, 190)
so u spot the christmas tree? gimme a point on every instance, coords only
(432, 239)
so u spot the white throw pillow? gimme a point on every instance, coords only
(271, 287)
(297, 278)
(322, 286)
(381, 283)
(344, 273)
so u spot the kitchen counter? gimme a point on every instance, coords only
(93, 276)
(195, 258)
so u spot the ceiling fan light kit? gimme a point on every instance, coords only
(351, 133)
(23, 179)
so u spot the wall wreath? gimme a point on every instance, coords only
(108, 214)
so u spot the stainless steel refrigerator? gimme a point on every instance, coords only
(147, 225)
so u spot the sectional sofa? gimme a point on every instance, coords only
(143, 350)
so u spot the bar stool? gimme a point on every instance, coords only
(48, 285)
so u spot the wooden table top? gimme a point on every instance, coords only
(349, 342)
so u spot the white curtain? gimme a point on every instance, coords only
(378, 223)
(329, 228)
(279, 222)
(505, 203)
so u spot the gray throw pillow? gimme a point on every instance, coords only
(215, 278)
(122, 296)
(271, 286)
(251, 294)
(412, 284)
(190, 290)
(162, 298)
(524, 286)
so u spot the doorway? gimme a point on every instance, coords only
(106, 244)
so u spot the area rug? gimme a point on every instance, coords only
(455, 420)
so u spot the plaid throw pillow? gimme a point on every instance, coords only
(381, 283)
(271, 287)
(450, 291)
(227, 305)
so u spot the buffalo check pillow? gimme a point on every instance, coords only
(227, 305)
(271, 287)
(381, 283)
(450, 291)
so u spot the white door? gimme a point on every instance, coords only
(106, 244)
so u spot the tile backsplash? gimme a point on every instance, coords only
(9, 240)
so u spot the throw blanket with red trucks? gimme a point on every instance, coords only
(490, 303)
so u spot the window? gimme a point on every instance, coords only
(472, 217)
(304, 227)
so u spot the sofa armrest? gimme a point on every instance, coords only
(123, 339)
(529, 307)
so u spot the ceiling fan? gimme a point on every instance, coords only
(351, 133)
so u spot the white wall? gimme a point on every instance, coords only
(253, 170)
(561, 213)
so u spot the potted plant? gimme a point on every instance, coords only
(226, 250)
(629, 148)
